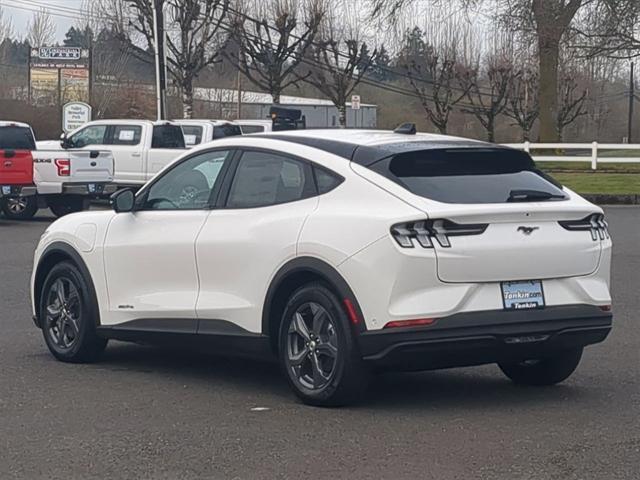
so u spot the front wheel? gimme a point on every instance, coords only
(545, 371)
(19, 208)
(317, 350)
(61, 206)
(69, 314)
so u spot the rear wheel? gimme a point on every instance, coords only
(545, 371)
(64, 205)
(68, 315)
(20, 208)
(317, 350)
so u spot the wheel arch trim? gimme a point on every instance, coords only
(58, 249)
(317, 268)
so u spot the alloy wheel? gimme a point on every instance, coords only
(17, 205)
(312, 346)
(63, 310)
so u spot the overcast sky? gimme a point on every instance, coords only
(20, 13)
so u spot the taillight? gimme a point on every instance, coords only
(64, 166)
(594, 223)
(423, 232)
(418, 322)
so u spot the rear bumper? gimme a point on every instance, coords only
(97, 189)
(476, 338)
(17, 190)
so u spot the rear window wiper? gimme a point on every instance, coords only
(529, 195)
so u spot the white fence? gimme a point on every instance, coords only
(591, 152)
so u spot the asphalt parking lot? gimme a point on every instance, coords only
(144, 412)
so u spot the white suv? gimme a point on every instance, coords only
(340, 252)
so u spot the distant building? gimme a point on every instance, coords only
(318, 112)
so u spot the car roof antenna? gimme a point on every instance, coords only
(406, 129)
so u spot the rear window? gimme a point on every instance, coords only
(167, 136)
(470, 176)
(227, 130)
(16, 138)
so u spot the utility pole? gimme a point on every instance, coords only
(239, 95)
(632, 93)
(161, 69)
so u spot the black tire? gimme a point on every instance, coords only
(545, 371)
(19, 208)
(341, 374)
(70, 333)
(61, 206)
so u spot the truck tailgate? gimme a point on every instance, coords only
(16, 167)
(52, 169)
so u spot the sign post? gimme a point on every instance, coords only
(74, 115)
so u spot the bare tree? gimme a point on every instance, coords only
(6, 26)
(195, 36)
(546, 22)
(571, 105)
(41, 29)
(433, 71)
(272, 38)
(336, 62)
(523, 106)
(488, 103)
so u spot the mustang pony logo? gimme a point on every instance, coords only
(528, 230)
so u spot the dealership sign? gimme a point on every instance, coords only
(58, 75)
(58, 53)
(74, 115)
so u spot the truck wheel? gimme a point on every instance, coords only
(20, 208)
(62, 206)
(545, 371)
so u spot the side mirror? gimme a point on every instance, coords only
(64, 141)
(123, 201)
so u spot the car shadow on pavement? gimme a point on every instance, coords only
(468, 388)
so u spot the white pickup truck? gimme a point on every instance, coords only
(197, 132)
(64, 181)
(140, 148)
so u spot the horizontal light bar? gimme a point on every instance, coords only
(418, 322)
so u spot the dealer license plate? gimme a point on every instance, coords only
(522, 295)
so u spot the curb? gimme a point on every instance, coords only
(606, 199)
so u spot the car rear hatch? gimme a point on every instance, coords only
(494, 217)
(16, 167)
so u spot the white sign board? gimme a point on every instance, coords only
(74, 115)
(355, 102)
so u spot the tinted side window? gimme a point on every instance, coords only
(228, 130)
(252, 129)
(167, 136)
(264, 178)
(189, 185)
(92, 135)
(325, 180)
(126, 135)
(16, 138)
(192, 135)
